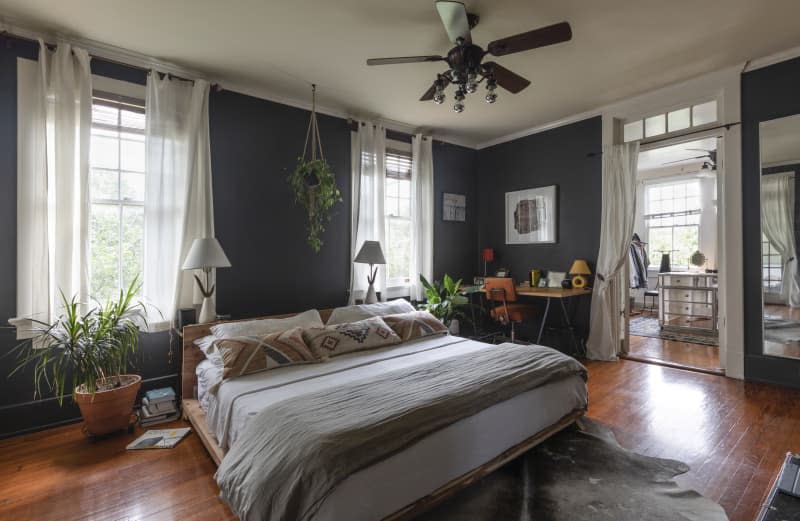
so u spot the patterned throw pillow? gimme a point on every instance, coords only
(416, 324)
(250, 354)
(339, 339)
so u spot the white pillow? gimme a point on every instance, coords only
(206, 345)
(264, 326)
(348, 314)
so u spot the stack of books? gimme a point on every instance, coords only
(158, 406)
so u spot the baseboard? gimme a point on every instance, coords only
(46, 413)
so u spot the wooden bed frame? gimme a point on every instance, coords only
(194, 413)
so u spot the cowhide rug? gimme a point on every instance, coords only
(580, 476)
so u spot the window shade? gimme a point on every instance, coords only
(398, 164)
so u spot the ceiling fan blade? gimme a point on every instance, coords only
(686, 159)
(454, 18)
(403, 59)
(557, 33)
(429, 93)
(511, 81)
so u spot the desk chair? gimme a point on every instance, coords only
(501, 293)
(651, 293)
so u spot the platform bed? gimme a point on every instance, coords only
(194, 413)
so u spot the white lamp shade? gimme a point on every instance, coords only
(206, 253)
(370, 253)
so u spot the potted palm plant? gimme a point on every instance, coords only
(87, 354)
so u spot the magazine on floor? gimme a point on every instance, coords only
(159, 439)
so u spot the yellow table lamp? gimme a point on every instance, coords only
(579, 271)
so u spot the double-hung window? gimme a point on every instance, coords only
(397, 208)
(771, 266)
(116, 191)
(672, 215)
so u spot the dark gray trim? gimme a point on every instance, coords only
(767, 93)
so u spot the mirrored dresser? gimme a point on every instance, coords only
(688, 302)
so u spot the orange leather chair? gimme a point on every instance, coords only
(501, 293)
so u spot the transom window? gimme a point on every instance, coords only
(669, 122)
(397, 208)
(116, 190)
(673, 221)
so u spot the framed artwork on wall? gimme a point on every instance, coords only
(454, 207)
(531, 216)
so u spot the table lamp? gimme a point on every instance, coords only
(488, 256)
(579, 271)
(206, 254)
(370, 253)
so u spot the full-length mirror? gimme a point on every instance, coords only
(780, 165)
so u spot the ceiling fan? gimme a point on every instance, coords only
(467, 68)
(711, 164)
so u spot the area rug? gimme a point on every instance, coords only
(781, 331)
(580, 476)
(648, 326)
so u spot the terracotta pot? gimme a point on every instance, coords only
(109, 411)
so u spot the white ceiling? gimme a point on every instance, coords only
(620, 48)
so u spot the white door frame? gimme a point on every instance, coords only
(656, 143)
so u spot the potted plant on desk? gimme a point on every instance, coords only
(443, 300)
(89, 352)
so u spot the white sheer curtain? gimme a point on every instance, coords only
(178, 192)
(368, 157)
(421, 213)
(616, 229)
(777, 223)
(54, 126)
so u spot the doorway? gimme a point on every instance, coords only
(673, 258)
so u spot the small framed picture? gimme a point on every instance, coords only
(478, 281)
(454, 207)
(502, 272)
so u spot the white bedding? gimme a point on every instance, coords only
(381, 489)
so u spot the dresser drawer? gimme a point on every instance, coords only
(688, 295)
(682, 308)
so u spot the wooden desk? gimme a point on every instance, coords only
(561, 294)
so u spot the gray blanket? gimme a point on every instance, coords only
(292, 456)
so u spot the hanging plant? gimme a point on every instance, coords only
(313, 182)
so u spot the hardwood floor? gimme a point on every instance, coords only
(733, 434)
(679, 353)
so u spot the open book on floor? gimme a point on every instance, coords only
(159, 439)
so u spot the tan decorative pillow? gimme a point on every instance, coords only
(416, 324)
(339, 339)
(250, 354)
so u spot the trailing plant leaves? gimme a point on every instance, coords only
(314, 187)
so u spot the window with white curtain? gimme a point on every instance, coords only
(116, 191)
(672, 216)
(397, 208)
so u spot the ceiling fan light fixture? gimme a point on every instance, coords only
(491, 97)
(458, 108)
(439, 97)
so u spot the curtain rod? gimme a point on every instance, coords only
(726, 126)
(52, 46)
(354, 126)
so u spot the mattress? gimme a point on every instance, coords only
(383, 488)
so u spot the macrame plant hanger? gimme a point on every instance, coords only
(316, 145)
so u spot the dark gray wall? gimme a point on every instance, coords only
(254, 147)
(767, 93)
(556, 157)
(455, 243)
